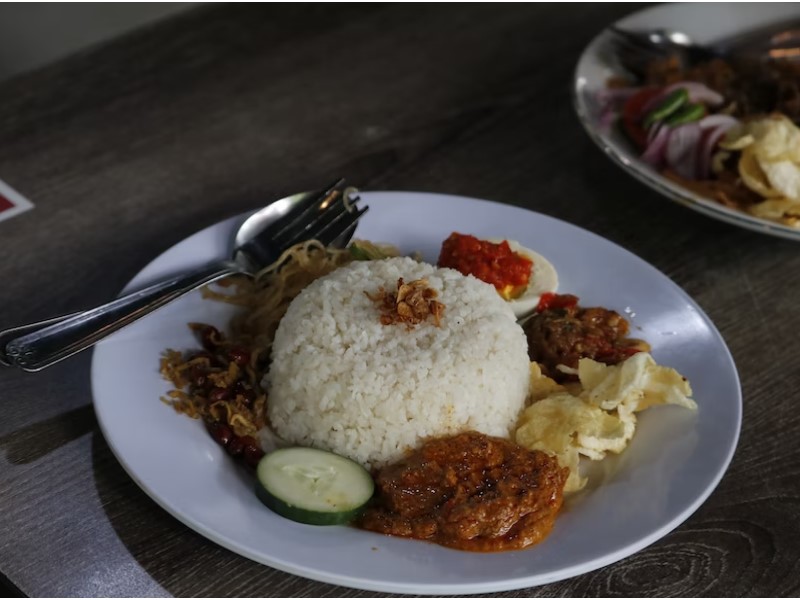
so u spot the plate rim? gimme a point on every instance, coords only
(633, 166)
(507, 584)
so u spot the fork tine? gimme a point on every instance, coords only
(304, 230)
(329, 217)
(304, 212)
(345, 237)
(323, 201)
(331, 225)
(335, 230)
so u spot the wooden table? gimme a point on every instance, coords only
(128, 148)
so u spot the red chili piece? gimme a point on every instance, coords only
(219, 394)
(220, 433)
(550, 300)
(252, 452)
(239, 355)
(210, 337)
(631, 117)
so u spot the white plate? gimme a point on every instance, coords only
(704, 23)
(673, 464)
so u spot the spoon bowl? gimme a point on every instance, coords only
(264, 217)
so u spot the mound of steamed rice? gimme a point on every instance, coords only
(342, 381)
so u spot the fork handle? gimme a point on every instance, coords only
(41, 347)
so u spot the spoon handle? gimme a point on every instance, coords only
(16, 332)
(57, 339)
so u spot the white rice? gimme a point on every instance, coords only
(342, 381)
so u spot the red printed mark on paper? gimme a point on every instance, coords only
(12, 202)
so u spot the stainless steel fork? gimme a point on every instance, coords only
(329, 216)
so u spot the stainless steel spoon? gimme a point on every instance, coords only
(329, 216)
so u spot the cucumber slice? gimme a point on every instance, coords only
(313, 486)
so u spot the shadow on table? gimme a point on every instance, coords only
(31, 443)
(181, 561)
(8, 589)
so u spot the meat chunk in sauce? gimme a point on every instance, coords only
(471, 492)
(563, 333)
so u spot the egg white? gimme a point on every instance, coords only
(543, 279)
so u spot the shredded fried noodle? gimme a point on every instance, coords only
(222, 383)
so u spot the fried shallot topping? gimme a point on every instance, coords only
(412, 304)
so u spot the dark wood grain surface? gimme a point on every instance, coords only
(128, 148)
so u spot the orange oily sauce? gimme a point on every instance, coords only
(470, 492)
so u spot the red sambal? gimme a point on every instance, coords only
(497, 264)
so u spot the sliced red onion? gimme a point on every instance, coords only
(709, 144)
(713, 121)
(607, 103)
(653, 131)
(682, 149)
(654, 153)
(606, 119)
(611, 100)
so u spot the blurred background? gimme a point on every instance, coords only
(32, 35)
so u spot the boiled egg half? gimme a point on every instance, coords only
(543, 279)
